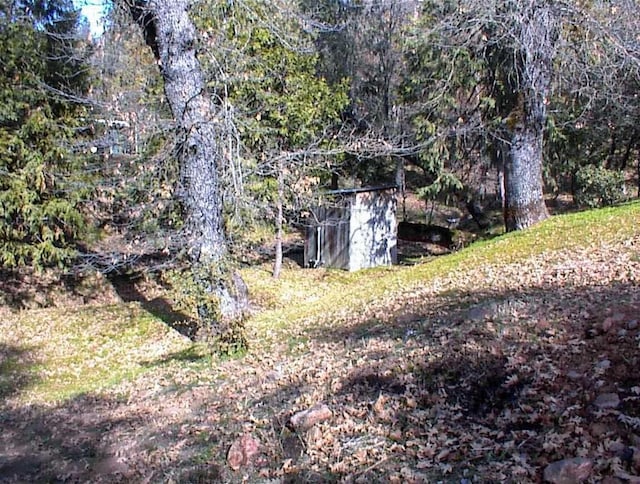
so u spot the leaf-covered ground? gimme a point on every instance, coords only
(482, 366)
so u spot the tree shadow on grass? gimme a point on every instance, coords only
(469, 311)
(126, 288)
(474, 382)
(188, 355)
(484, 356)
(14, 370)
(64, 443)
(98, 439)
(49, 444)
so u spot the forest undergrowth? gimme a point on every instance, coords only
(486, 365)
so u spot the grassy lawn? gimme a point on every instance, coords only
(483, 365)
(68, 352)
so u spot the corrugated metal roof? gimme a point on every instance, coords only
(350, 191)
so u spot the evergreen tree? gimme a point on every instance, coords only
(40, 193)
(362, 42)
(280, 105)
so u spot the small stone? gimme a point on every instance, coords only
(574, 375)
(379, 406)
(568, 471)
(242, 452)
(607, 400)
(604, 364)
(306, 419)
(607, 324)
(273, 376)
(633, 324)
(235, 458)
(622, 333)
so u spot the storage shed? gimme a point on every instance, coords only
(353, 229)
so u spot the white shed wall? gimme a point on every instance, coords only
(372, 230)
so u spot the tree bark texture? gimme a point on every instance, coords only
(171, 34)
(524, 198)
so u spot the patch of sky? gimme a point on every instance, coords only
(94, 11)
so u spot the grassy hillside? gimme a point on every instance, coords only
(487, 364)
(301, 295)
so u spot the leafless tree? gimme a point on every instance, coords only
(170, 33)
(527, 52)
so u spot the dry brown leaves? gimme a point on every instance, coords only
(486, 374)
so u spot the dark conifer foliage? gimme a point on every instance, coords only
(41, 75)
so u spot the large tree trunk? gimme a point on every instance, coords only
(524, 201)
(172, 36)
(523, 157)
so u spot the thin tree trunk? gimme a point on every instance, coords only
(172, 36)
(627, 152)
(401, 185)
(613, 147)
(277, 265)
(334, 180)
(477, 212)
(500, 186)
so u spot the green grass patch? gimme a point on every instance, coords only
(320, 294)
(88, 349)
(55, 354)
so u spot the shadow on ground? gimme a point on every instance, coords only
(487, 376)
(126, 288)
(98, 439)
(492, 372)
(14, 374)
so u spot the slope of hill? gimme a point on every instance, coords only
(486, 365)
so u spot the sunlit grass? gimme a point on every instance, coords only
(54, 354)
(300, 296)
(72, 352)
